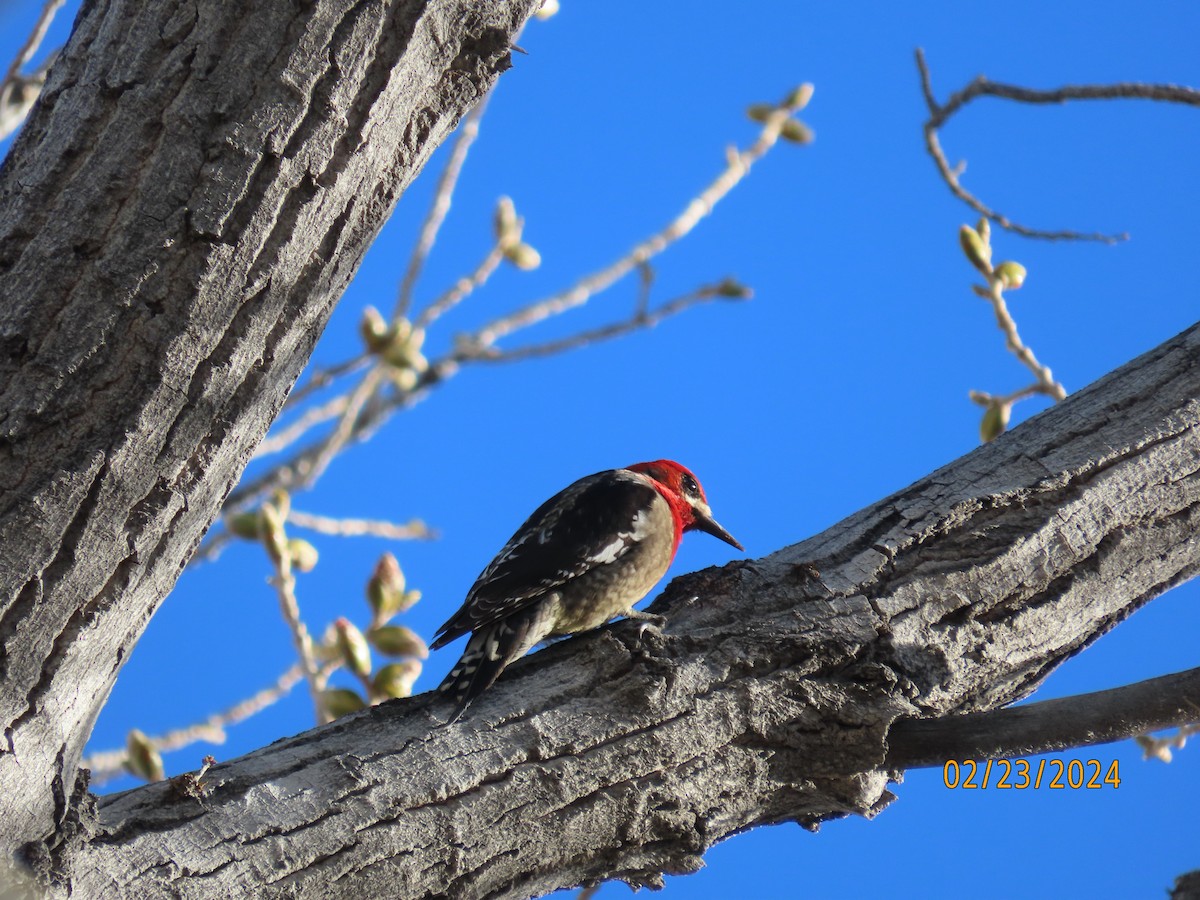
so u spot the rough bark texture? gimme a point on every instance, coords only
(769, 697)
(195, 189)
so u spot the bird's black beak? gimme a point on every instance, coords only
(705, 522)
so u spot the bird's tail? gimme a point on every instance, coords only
(488, 653)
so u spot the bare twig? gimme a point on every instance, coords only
(440, 206)
(461, 289)
(1160, 748)
(414, 530)
(939, 114)
(322, 378)
(738, 165)
(645, 286)
(1007, 275)
(641, 319)
(1004, 321)
(33, 41)
(276, 543)
(312, 417)
(983, 398)
(295, 470)
(347, 426)
(109, 764)
(18, 92)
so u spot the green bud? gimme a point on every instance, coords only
(353, 648)
(375, 331)
(245, 525)
(274, 538)
(734, 289)
(404, 379)
(142, 757)
(385, 589)
(984, 227)
(303, 555)
(327, 650)
(977, 250)
(397, 679)
(523, 256)
(995, 421)
(798, 98)
(796, 132)
(396, 640)
(405, 352)
(340, 702)
(1011, 275)
(505, 224)
(760, 112)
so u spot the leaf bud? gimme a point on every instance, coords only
(340, 702)
(142, 757)
(397, 679)
(352, 646)
(397, 640)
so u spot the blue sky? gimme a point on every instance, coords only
(845, 379)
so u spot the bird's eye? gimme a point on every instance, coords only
(690, 486)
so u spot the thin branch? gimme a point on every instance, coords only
(313, 416)
(1160, 748)
(1004, 321)
(322, 378)
(109, 764)
(14, 108)
(275, 542)
(1052, 725)
(983, 398)
(296, 470)
(348, 424)
(738, 165)
(36, 36)
(645, 286)
(414, 530)
(639, 320)
(939, 114)
(461, 289)
(440, 206)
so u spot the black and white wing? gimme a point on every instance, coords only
(591, 523)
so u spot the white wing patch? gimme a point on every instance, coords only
(624, 540)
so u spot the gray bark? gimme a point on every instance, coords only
(769, 698)
(194, 190)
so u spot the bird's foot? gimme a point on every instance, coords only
(647, 622)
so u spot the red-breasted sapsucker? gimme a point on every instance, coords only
(585, 556)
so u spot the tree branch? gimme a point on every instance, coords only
(772, 696)
(939, 114)
(218, 179)
(1081, 721)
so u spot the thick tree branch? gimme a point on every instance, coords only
(771, 696)
(192, 193)
(1097, 718)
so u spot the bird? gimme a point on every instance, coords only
(584, 557)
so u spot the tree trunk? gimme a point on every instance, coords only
(772, 695)
(193, 192)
